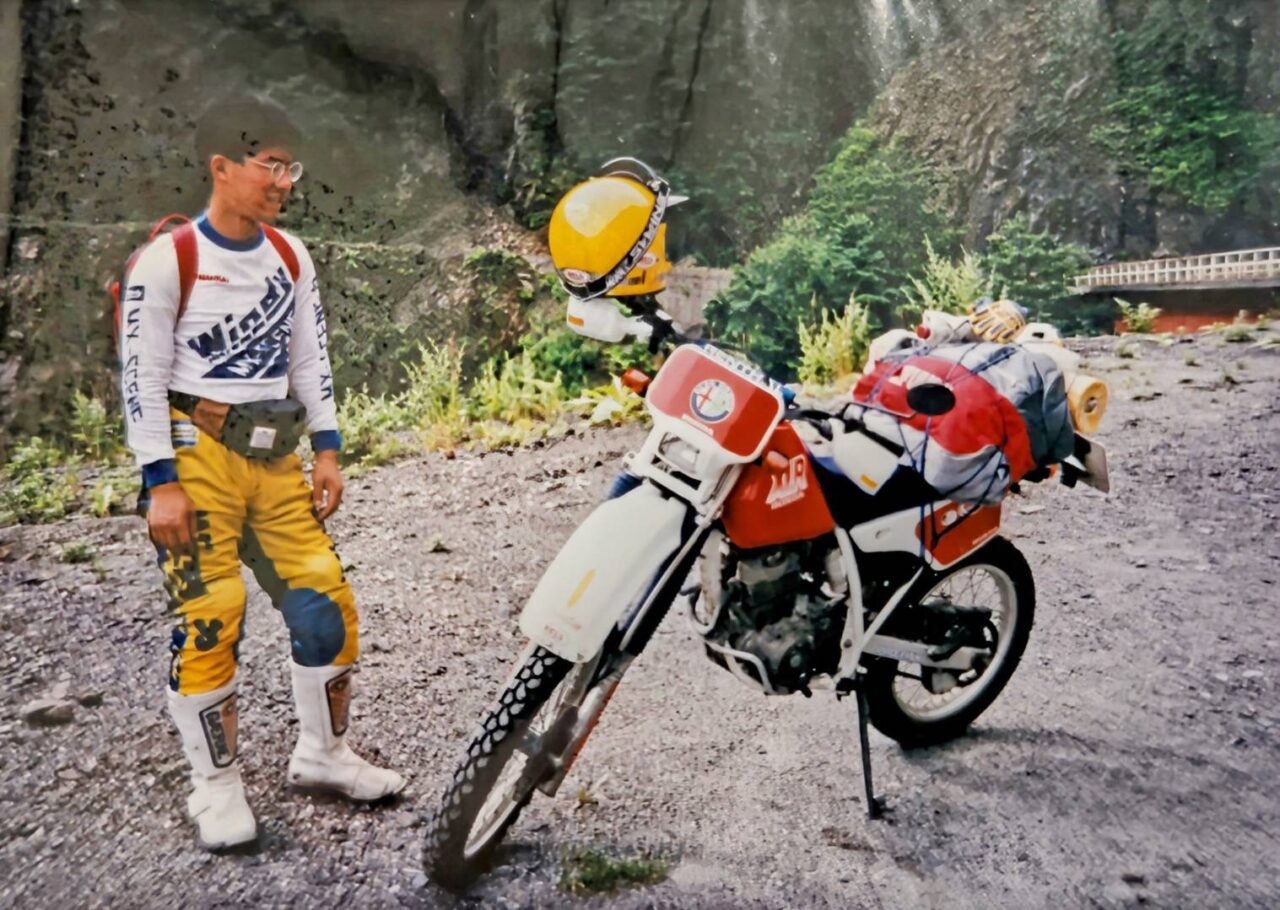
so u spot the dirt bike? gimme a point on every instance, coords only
(822, 565)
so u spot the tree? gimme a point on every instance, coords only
(1035, 268)
(861, 234)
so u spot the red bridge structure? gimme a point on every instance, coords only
(1193, 291)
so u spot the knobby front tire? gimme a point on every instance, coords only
(460, 843)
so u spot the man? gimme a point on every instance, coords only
(224, 358)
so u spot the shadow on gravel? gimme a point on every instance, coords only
(1069, 774)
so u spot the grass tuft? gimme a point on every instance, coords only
(591, 871)
(77, 553)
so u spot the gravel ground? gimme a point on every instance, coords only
(1132, 760)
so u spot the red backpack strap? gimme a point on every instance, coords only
(164, 222)
(285, 249)
(184, 244)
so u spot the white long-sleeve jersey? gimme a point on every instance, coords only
(247, 334)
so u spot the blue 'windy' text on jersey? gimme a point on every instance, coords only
(257, 345)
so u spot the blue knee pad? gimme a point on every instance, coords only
(316, 629)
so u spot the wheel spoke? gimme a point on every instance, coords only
(978, 586)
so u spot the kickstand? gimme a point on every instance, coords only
(874, 806)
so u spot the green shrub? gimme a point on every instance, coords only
(560, 351)
(874, 203)
(860, 234)
(771, 293)
(610, 404)
(78, 552)
(1139, 318)
(96, 433)
(433, 401)
(835, 347)
(108, 494)
(951, 286)
(38, 484)
(1238, 332)
(1036, 269)
(368, 424)
(509, 390)
(619, 357)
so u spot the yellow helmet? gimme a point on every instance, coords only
(606, 235)
(997, 321)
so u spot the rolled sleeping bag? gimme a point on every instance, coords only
(1087, 401)
(1086, 395)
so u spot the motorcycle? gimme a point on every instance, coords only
(817, 564)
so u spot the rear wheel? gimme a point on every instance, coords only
(918, 706)
(507, 758)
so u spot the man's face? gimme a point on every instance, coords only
(248, 188)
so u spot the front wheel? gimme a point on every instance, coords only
(505, 761)
(920, 707)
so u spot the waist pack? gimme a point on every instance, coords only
(1010, 416)
(254, 429)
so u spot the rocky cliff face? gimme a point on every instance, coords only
(743, 99)
(1011, 113)
(422, 115)
(111, 93)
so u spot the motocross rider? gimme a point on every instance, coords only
(219, 379)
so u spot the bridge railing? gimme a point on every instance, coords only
(1246, 266)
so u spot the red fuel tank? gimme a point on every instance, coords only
(767, 508)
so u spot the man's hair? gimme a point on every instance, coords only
(242, 127)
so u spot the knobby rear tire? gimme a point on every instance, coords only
(890, 717)
(445, 856)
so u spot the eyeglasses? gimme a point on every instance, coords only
(278, 169)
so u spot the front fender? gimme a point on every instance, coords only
(604, 568)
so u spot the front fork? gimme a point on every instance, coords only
(569, 733)
(597, 680)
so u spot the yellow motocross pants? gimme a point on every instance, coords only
(258, 512)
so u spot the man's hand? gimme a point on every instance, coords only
(171, 519)
(326, 484)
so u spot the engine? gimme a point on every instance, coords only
(784, 606)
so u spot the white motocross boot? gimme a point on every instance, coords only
(322, 757)
(207, 724)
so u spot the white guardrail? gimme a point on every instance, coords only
(1242, 266)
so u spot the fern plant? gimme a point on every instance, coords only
(1138, 318)
(832, 349)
